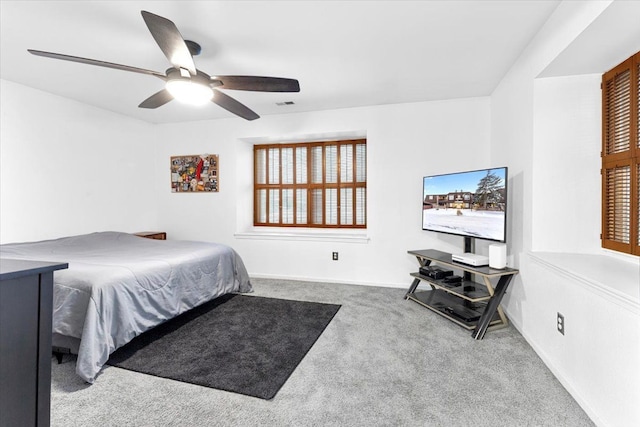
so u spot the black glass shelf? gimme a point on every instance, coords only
(463, 313)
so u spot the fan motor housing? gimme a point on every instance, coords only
(194, 48)
(200, 77)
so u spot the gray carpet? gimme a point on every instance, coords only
(382, 361)
(243, 344)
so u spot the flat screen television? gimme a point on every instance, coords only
(470, 204)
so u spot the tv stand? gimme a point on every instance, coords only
(474, 306)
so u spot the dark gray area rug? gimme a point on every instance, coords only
(243, 344)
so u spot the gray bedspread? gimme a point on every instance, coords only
(119, 285)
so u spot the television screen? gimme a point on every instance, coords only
(470, 204)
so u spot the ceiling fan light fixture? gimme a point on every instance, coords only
(189, 92)
(183, 81)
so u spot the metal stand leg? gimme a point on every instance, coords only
(412, 288)
(492, 307)
(423, 263)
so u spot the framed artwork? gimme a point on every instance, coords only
(195, 174)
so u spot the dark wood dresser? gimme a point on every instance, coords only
(26, 298)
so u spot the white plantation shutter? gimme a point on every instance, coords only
(274, 206)
(621, 157)
(331, 164)
(360, 206)
(330, 180)
(301, 206)
(319, 184)
(287, 165)
(274, 166)
(261, 166)
(316, 165)
(261, 201)
(316, 209)
(331, 206)
(287, 172)
(287, 206)
(361, 177)
(346, 163)
(346, 206)
(361, 163)
(301, 165)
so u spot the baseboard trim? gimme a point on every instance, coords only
(328, 280)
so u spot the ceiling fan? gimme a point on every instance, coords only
(183, 81)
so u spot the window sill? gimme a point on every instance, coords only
(614, 279)
(304, 235)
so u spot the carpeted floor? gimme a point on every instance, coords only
(382, 361)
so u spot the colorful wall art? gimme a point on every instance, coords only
(195, 174)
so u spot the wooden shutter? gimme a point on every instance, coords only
(617, 205)
(636, 59)
(301, 195)
(317, 184)
(620, 157)
(260, 179)
(635, 135)
(360, 163)
(636, 248)
(331, 201)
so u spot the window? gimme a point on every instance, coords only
(317, 184)
(621, 157)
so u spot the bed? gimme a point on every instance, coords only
(119, 285)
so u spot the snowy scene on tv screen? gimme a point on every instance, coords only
(469, 203)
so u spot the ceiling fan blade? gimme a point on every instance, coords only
(170, 40)
(156, 100)
(233, 106)
(259, 84)
(96, 62)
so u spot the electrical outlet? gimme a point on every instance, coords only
(560, 321)
(334, 256)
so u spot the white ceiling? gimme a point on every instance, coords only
(609, 40)
(344, 53)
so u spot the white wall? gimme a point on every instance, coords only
(598, 357)
(538, 125)
(512, 111)
(566, 163)
(67, 168)
(404, 143)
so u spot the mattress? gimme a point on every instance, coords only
(119, 285)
